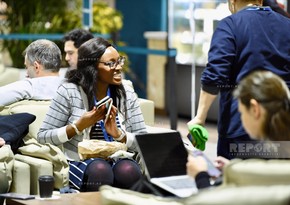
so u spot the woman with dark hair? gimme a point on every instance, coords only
(73, 117)
(264, 105)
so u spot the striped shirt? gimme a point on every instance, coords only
(69, 104)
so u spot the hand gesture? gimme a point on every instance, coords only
(91, 117)
(111, 124)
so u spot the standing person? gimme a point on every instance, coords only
(73, 117)
(264, 104)
(253, 37)
(42, 63)
(72, 41)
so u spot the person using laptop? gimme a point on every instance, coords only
(74, 116)
(264, 104)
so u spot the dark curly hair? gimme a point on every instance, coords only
(78, 36)
(85, 75)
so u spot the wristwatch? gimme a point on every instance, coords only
(123, 134)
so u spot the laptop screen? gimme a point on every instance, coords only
(164, 154)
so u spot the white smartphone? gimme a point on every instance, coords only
(212, 170)
(109, 107)
(102, 102)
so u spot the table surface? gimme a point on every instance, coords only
(84, 198)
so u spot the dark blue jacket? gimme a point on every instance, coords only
(14, 127)
(253, 38)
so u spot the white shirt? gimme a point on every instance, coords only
(40, 88)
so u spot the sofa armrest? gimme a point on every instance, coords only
(21, 178)
(147, 108)
(257, 172)
(38, 167)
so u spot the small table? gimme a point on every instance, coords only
(83, 198)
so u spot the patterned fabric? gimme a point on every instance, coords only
(97, 130)
(76, 172)
(69, 105)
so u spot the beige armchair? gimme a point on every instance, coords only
(36, 159)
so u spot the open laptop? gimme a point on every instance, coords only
(164, 157)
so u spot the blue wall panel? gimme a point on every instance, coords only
(139, 17)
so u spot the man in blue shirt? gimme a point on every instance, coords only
(253, 37)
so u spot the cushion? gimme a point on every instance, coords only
(111, 196)
(52, 153)
(37, 108)
(257, 172)
(250, 195)
(14, 127)
(246, 195)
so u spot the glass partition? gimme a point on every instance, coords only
(191, 24)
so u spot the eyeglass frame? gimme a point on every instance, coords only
(113, 64)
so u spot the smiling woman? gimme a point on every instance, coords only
(98, 74)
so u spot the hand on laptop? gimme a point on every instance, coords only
(195, 165)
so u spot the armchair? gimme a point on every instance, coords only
(35, 159)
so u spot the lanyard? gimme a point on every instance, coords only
(107, 137)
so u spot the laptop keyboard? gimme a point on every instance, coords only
(179, 183)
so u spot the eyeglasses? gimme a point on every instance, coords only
(114, 64)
